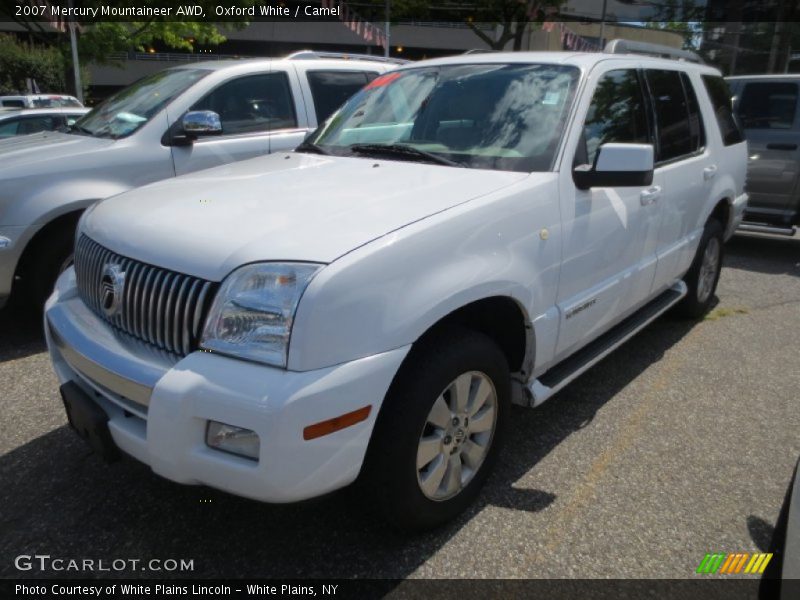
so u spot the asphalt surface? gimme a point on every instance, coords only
(680, 443)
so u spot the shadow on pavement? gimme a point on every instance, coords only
(21, 333)
(59, 499)
(771, 255)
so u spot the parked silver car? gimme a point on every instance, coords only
(766, 106)
(170, 123)
(15, 122)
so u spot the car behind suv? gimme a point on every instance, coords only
(463, 233)
(173, 122)
(766, 106)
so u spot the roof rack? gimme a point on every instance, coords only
(629, 47)
(315, 54)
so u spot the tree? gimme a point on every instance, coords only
(20, 61)
(99, 40)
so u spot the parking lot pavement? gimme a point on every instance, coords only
(680, 443)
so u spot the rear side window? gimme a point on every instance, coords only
(720, 96)
(8, 128)
(331, 89)
(14, 103)
(36, 124)
(617, 114)
(768, 105)
(672, 114)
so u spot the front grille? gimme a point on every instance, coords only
(158, 306)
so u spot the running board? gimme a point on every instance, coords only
(755, 228)
(566, 371)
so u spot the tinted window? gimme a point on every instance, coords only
(36, 124)
(696, 130)
(617, 114)
(331, 89)
(672, 114)
(8, 128)
(14, 103)
(487, 116)
(720, 97)
(768, 105)
(251, 104)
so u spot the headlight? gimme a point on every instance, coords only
(251, 317)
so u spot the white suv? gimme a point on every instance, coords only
(463, 233)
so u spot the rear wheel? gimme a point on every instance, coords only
(703, 276)
(439, 430)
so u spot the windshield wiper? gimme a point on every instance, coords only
(80, 129)
(402, 150)
(313, 148)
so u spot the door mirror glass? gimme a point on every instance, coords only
(617, 165)
(201, 122)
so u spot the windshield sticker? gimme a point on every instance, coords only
(383, 80)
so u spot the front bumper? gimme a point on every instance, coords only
(159, 406)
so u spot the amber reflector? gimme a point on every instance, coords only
(335, 424)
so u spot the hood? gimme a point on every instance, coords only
(19, 152)
(297, 207)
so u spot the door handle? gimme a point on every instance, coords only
(781, 146)
(709, 172)
(649, 196)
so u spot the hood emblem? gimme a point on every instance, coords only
(112, 285)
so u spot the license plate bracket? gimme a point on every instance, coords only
(89, 421)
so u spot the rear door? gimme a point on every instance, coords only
(767, 111)
(685, 168)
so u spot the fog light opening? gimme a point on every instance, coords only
(233, 440)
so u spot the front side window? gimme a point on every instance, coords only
(128, 110)
(251, 104)
(488, 116)
(330, 89)
(617, 114)
(768, 105)
(672, 114)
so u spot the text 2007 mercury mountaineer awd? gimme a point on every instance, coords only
(461, 234)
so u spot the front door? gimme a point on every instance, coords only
(609, 233)
(252, 109)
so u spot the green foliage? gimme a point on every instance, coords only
(19, 61)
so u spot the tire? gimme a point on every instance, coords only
(703, 276)
(48, 260)
(425, 389)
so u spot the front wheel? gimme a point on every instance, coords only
(703, 276)
(439, 430)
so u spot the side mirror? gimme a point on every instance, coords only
(201, 122)
(617, 165)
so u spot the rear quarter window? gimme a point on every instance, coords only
(722, 102)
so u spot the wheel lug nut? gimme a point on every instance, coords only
(447, 439)
(455, 420)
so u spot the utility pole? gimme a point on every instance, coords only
(603, 26)
(76, 69)
(387, 26)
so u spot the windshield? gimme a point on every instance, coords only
(489, 116)
(127, 110)
(56, 102)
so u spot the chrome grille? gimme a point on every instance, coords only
(161, 307)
